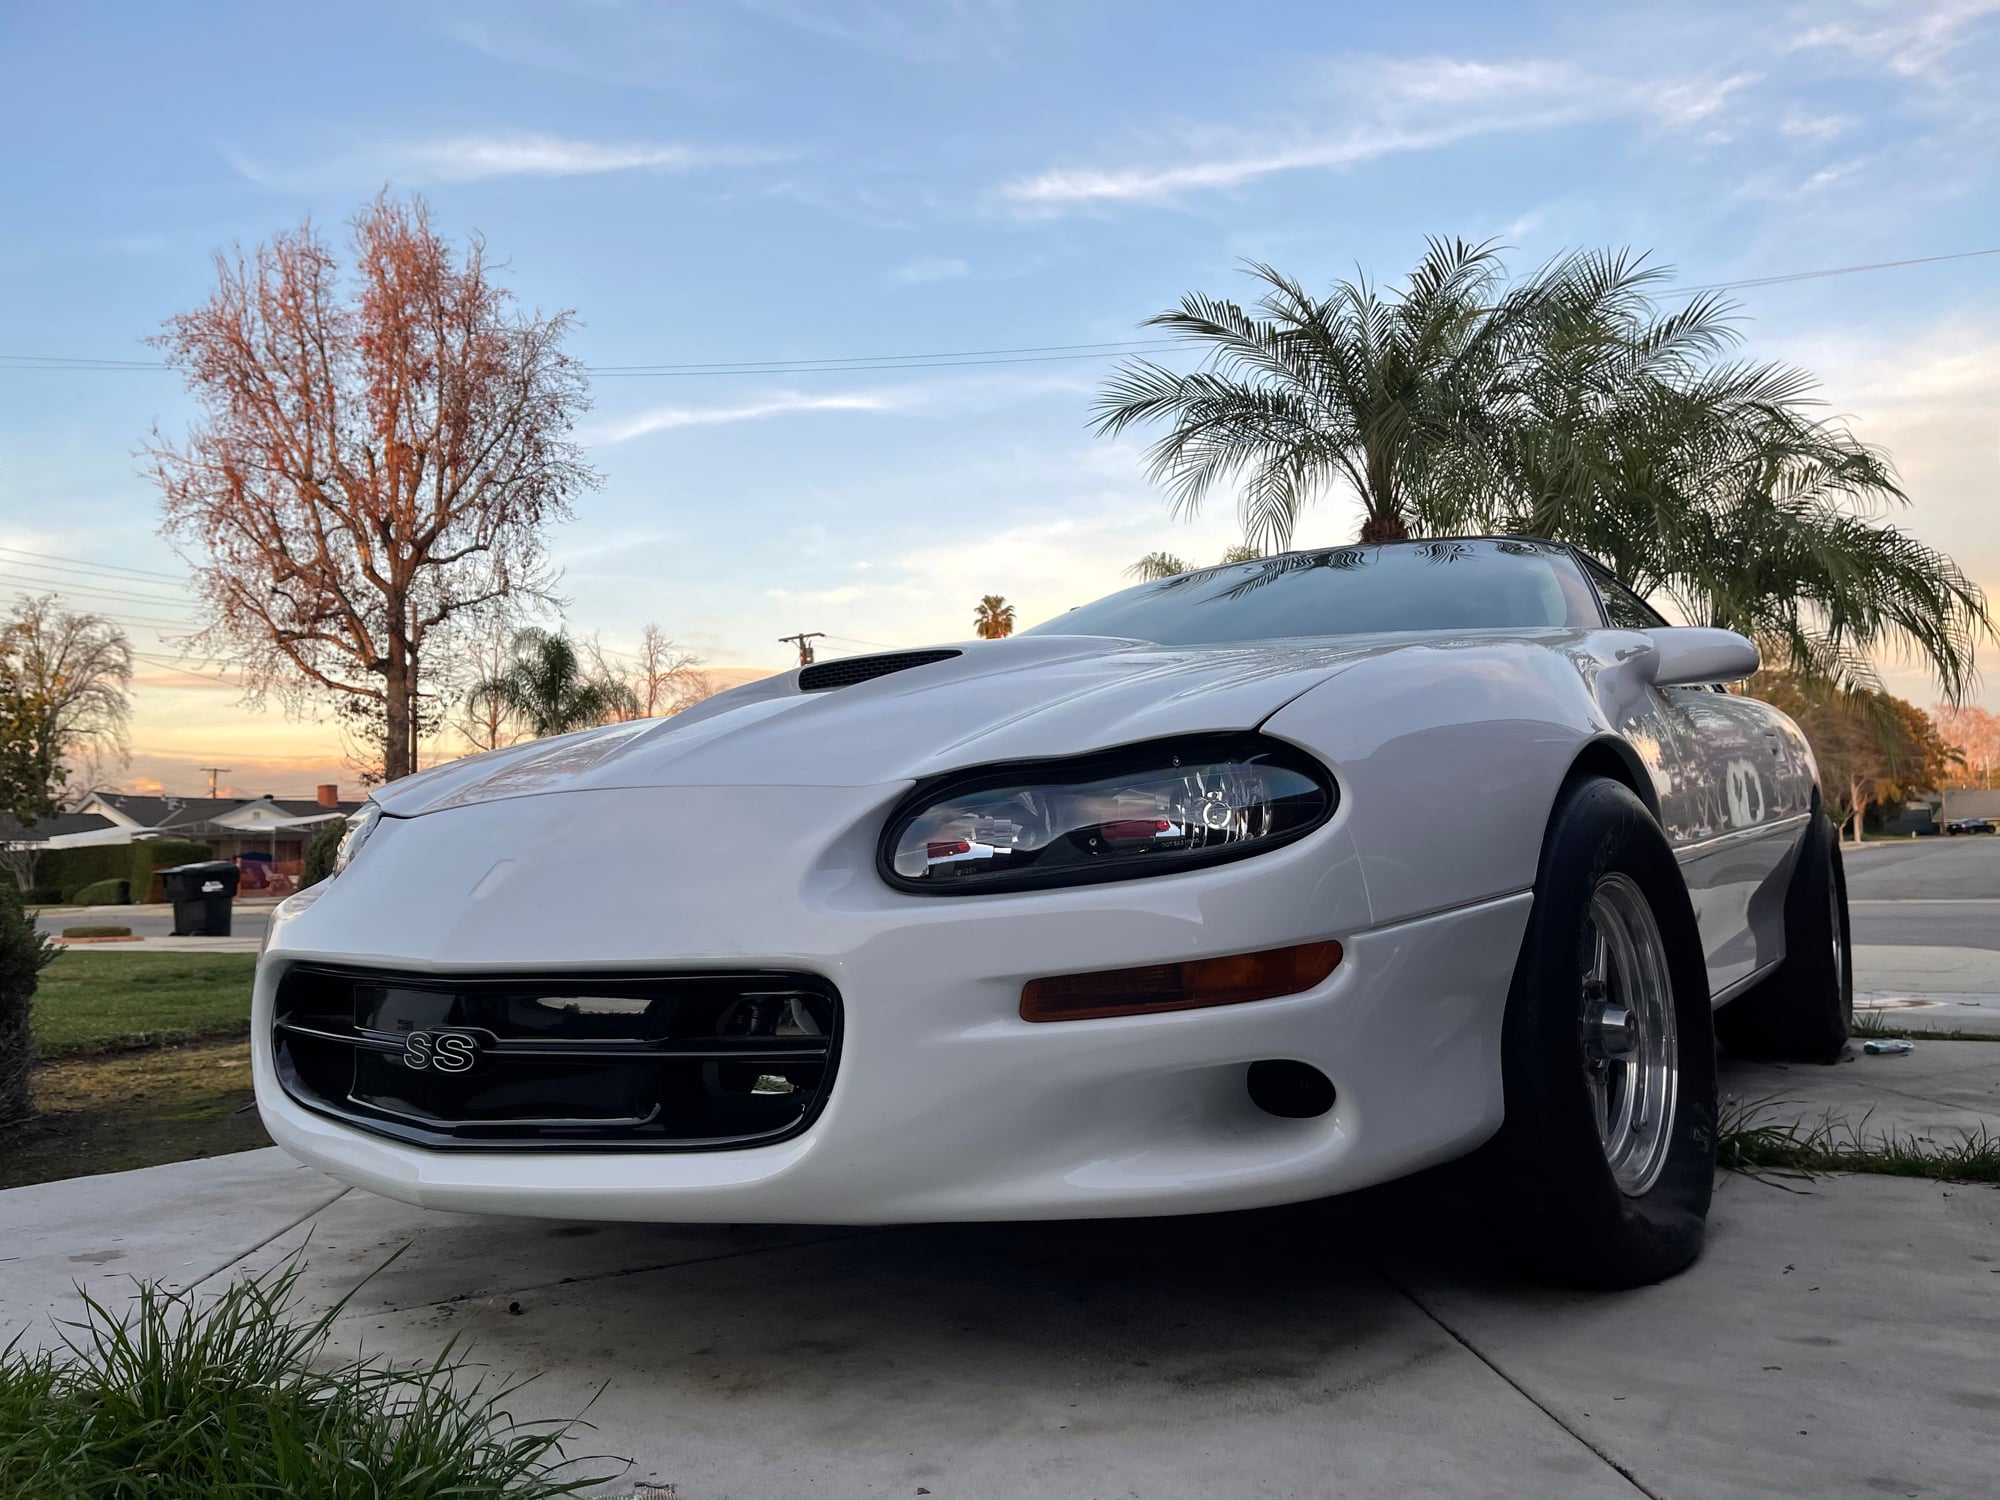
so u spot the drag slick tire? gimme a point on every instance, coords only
(1600, 1175)
(1805, 1010)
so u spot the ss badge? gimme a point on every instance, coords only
(442, 1051)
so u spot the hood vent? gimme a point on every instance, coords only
(853, 669)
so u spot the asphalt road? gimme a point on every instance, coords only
(1933, 892)
(152, 921)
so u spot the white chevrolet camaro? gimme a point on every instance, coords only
(1250, 886)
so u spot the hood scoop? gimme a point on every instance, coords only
(853, 669)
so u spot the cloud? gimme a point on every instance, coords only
(1799, 125)
(1371, 107)
(927, 268)
(1908, 38)
(780, 404)
(925, 31)
(473, 158)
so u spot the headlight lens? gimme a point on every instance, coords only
(1144, 810)
(358, 828)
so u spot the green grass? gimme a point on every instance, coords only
(93, 1003)
(238, 1397)
(1869, 1025)
(1749, 1140)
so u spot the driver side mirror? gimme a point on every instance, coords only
(1695, 655)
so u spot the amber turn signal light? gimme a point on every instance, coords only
(1185, 986)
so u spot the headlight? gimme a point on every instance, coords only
(1142, 810)
(358, 828)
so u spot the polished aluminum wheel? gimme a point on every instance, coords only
(1631, 1051)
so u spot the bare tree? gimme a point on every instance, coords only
(668, 678)
(64, 701)
(376, 464)
(482, 719)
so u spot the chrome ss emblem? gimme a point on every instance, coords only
(441, 1051)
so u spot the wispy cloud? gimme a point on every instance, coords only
(929, 268)
(1911, 38)
(780, 404)
(472, 158)
(1367, 108)
(915, 30)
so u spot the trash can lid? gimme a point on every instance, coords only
(199, 867)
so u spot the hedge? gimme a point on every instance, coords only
(70, 870)
(104, 893)
(148, 859)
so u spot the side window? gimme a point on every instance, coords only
(1623, 608)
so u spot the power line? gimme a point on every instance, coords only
(81, 564)
(970, 358)
(90, 587)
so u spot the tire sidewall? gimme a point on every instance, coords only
(1555, 1160)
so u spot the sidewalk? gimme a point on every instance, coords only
(1838, 1338)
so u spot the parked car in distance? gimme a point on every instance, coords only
(1969, 825)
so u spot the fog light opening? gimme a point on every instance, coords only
(1290, 1090)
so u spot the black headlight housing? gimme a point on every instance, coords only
(1139, 810)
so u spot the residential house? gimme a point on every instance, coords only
(265, 828)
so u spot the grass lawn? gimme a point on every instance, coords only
(92, 1003)
(142, 1060)
(136, 1109)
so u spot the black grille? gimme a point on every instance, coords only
(853, 669)
(683, 1062)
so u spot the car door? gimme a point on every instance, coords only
(1735, 784)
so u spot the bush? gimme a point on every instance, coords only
(45, 895)
(320, 850)
(103, 893)
(24, 953)
(149, 858)
(96, 929)
(69, 870)
(237, 1397)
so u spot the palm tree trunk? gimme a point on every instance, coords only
(1383, 528)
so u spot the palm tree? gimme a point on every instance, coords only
(1564, 405)
(1157, 565)
(546, 689)
(993, 619)
(1391, 394)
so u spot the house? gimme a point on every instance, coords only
(59, 831)
(266, 828)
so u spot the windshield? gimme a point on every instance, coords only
(1440, 585)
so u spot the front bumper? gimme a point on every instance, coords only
(946, 1105)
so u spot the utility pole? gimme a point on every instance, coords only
(213, 772)
(804, 639)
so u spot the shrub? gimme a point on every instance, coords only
(69, 870)
(24, 953)
(45, 895)
(104, 893)
(154, 855)
(96, 929)
(320, 850)
(237, 1397)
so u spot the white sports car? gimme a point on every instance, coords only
(1250, 886)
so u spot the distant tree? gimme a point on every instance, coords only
(666, 678)
(321, 850)
(482, 719)
(993, 619)
(1871, 748)
(64, 702)
(1242, 552)
(1157, 565)
(1975, 735)
(546, 689)
(375, 466)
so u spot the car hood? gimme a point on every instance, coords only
(995, 701)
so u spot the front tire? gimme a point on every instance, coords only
(1600, 1175)
(1805, 1011)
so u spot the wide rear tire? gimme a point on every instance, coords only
(1804, 1011)
(1600, 1175)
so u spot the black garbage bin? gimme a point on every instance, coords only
(202, 894)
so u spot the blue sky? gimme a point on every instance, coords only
(782, 180)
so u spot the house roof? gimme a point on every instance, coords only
(187, 812)
(43, 829)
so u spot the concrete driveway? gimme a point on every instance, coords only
(1840, 1337)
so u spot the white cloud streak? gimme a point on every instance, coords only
(474, 158)
(1369, 108)
(780, 404)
